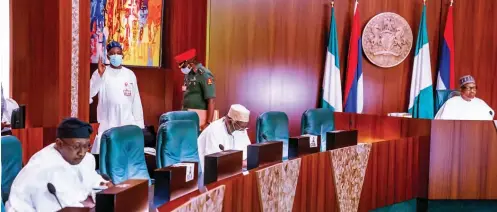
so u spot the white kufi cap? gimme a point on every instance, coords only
(239, 113)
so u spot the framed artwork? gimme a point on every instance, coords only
(136, 24)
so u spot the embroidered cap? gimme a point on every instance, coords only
(74, 128)
(466, 79)
(113, 44)
(239, 113)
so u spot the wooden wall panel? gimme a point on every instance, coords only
(462, 158)
(397, 171)
(37, 36)
(269, 55)
(84, 61)
(373, 128)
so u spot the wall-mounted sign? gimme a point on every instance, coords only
(387, 39)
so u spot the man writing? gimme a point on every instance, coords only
(119, 101)
(199, 87)
(66, 165)
(466, 106)
(229, 131)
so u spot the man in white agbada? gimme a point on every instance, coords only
(119, 101)
(465, 106)
(67, 165)
(230, 131)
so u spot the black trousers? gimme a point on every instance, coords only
(97, 161)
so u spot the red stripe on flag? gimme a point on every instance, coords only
(353, 53)
(449, 39)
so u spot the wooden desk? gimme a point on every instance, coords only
(373, 128)
(396, 171)
(463, 160)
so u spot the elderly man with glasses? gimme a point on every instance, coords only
(65, 165)
(229, 132)
(466, 106)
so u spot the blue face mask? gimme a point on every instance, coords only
(116, 60)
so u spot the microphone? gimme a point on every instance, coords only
(106, 177)
(491, 113)
(221, 147)
(264, 137)
(51, 189)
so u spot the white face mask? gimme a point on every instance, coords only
(185, 70)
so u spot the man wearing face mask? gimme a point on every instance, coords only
(199, 87)
(466, 106)
(229, 131)
(119, 101)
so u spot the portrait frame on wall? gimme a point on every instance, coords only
(137, 24)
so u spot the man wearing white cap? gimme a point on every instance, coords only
(466, 106)
(229, 131)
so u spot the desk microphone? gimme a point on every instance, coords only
(221, 147)
(51, 189)
(491, 113)
(264, 136)
(106, 177)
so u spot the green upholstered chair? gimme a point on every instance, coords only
(121, 154)
(11, 163)
(176, 142)
(273, 126)
(318, 122)
(180, 115)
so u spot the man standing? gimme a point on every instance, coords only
(229, 131)
(199, 87)
(119, 101)
(66, 165)
(466, 106)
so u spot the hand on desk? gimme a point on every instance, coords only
(108, 184)
(5, 124)
(88, 203)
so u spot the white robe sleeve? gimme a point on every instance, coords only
(137, 106)
(207, 144)
(90, 175)
(242, 141)
(19, 202)
(447, 111)
(96, 83)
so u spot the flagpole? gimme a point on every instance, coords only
(451, 2)
(332, 2)
(424, 2)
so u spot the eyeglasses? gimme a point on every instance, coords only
(78, 148)
(239, 127)
(470, 88)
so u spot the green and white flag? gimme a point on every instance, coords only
(421, 104)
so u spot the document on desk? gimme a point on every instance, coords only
(190, 167)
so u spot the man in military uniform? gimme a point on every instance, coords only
(199, 87)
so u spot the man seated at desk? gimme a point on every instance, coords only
(229, 131)
(465, 106)
(67, 165)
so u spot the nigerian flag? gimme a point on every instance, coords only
(421, 103)
(332, 88)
